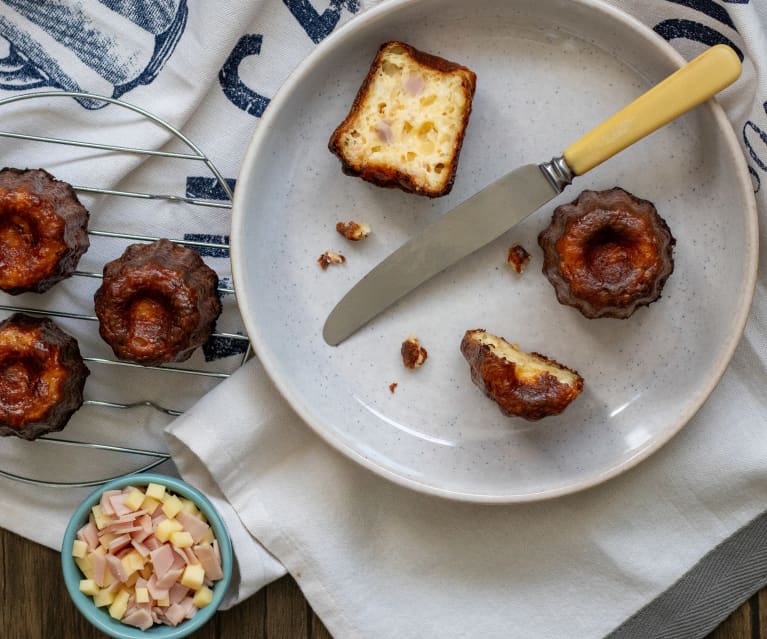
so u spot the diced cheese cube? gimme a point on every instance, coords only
(189, 506)
(85, 564)
(134, 499)
(79, 548)
(164, 602)
(150, 504)
(99, 518)
(171, 506)
(88, 587)
(181, 539)
(103, 598)
(142, 595)
(202, 597)
(166, 527)
(119, 605)
(132, 561)
(155, 491)
(193, 576)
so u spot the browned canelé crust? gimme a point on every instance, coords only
(389, 176)
(42, 376)
(607, 253)
(498, 378)
(43, 230)
(157, 303)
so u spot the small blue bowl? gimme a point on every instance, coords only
(99, 617)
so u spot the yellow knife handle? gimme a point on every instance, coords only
(694, 83)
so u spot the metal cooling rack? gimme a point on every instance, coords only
(196, 155)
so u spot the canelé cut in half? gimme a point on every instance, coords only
(406, 126)
(527, 385)
(607, 253)
(42, 376)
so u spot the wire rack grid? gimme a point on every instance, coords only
(195, 155)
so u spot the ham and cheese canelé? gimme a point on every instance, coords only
(148, 555)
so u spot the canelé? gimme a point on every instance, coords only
(42, 376)
(527, 385)
(607, 253)
(43, 230)
(157, 303)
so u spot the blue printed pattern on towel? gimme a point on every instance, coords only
(754, 136)
(106, 48)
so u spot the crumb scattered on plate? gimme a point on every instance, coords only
(413, 354)
(330, 257)
(392, 387)
(518, 258)
(353, 231)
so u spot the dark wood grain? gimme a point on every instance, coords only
(36, 606)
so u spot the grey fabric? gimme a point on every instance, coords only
(704, 597)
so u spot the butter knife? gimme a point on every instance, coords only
(513, 197)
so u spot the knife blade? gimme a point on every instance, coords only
(510, 199)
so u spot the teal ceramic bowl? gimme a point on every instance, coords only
(99, 617)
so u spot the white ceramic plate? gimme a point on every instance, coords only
(548, 70)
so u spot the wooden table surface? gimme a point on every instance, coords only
(35, 605)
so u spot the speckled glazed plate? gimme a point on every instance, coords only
(548, 70)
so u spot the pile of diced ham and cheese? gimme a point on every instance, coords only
(149, 555)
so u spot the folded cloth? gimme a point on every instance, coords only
(666, 550)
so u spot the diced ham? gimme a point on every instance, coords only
(106, 504)
(140, 548)
(152, 542)
(146, 523)
(190, 556)
(140, 535)
(188, 605)
(180, 552)
(170, 577)
(177, 593)
(414, 84)
(115, 586)
(139, 618)
(90, 535)
(162, 559)
(384, 132)
(210, 560)
(118, 543)
(116, 568)
(193, 525)
(118, 504)
(174, 614)
(155, 591)
(133, 515)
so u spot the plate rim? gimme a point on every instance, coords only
(239, 212)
